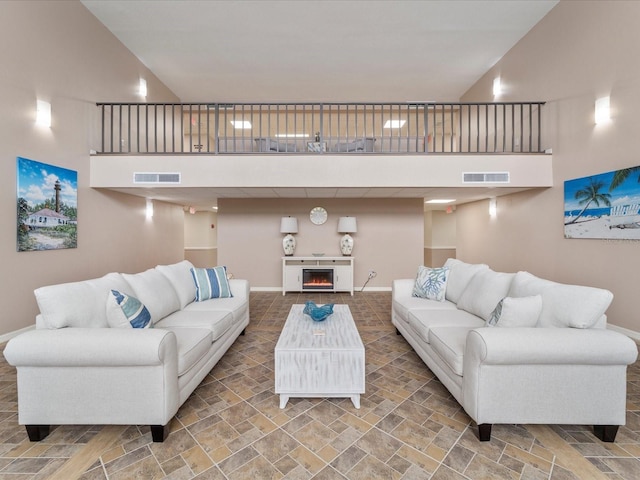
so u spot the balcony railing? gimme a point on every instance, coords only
(320, 128)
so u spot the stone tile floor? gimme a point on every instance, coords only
(408, 427)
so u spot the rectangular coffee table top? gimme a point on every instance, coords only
(339, 330)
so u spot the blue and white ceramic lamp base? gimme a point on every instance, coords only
(346, 244)
(289, 244)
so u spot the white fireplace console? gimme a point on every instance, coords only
(339, 271)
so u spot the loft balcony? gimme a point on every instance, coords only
(184, 152)
(318, 128)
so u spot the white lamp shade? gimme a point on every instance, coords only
(347, 225)
(289, 225)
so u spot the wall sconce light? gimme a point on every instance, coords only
(493, 207)
(289, 225)
(603, 111)
(142, 87)
(149, 209)
(497, 86)
(347, 225)
(192, 210)
(43, 113)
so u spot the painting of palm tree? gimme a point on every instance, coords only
(588, 195)
(606, 205)
(619, 176)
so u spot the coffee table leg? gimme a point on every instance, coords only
(356, 400)
(283, 400)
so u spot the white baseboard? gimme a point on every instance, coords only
(8, 336)
(355, 289)
(629, 333)
(373, 289)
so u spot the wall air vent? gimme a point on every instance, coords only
(156, 177)
(485, 177)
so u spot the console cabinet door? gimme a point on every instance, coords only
(292, 278)
(343, 280)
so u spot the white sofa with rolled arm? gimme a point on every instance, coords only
(75, 369)
(553, 363)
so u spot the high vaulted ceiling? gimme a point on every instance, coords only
(319, 50)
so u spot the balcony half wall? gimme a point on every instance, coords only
(183, 179)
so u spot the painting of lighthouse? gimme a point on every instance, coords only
(47, 206)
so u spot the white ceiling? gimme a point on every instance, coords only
(318, 50)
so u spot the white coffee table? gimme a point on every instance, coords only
(312, 365)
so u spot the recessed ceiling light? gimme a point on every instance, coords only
(292, 135)
(394, 123)
(441, 200)
(241, 124)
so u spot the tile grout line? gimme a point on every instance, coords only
(566, 456)
(77, 465)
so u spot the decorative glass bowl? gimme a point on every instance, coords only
(318, 313)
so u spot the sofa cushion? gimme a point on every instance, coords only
(211, 283)
(125, 311)
(78, 304)
(193, 344)
(235, 305)
(525, 284)
(484, 291)
(563, 305)
(460, 274)
(449, 343)
(573, 306)
(179, 274)
(431, 283)
(404, 305)
(217, 322)
(516, 312)
(421, 321)
(154, 290)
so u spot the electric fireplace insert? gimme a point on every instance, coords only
(317, 278)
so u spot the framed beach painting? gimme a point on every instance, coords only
(47, 206)
(606, 205)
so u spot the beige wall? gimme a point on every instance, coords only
(580, 51)
(201, 238)
(59, 52)
(389, 240)
(439, 237)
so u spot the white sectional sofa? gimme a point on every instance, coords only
(75, 369)
(553, 362)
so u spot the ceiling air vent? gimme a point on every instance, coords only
(485, 177)
(156, 177)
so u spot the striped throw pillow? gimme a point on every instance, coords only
(211, 283)
(125, 311)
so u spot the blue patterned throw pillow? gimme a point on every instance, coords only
(126, 311)
(211, 283)
(431, 283)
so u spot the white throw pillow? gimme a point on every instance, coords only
(431, 283)
(516, 312)
(484, 291)
(460, 274)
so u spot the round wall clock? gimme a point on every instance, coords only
(318, 215)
